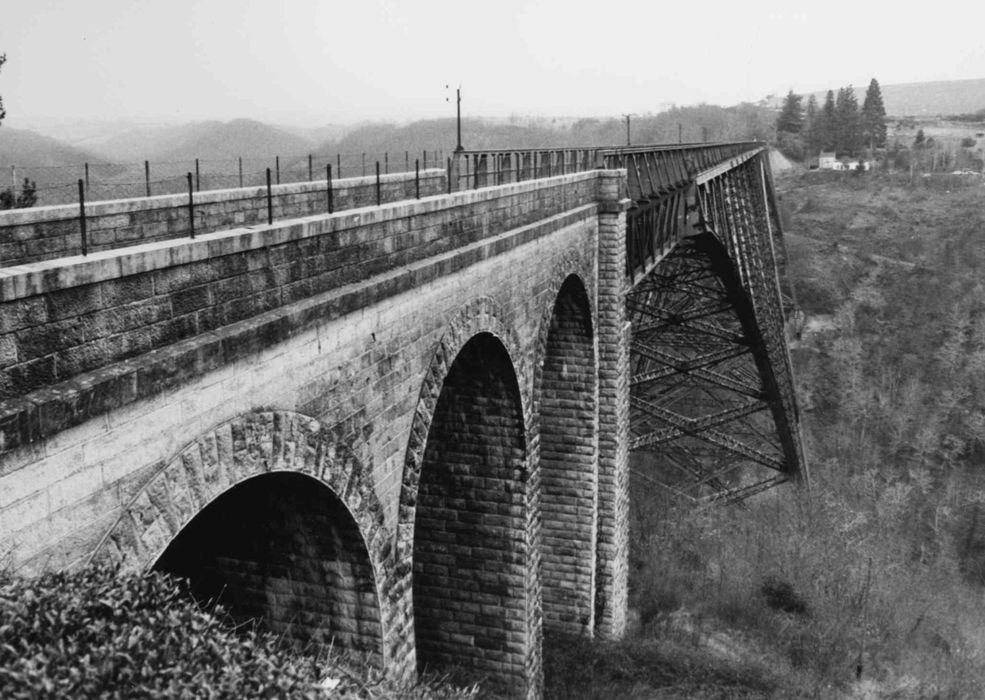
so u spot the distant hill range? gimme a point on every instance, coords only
(211, 140)
(938, 98)
(116, 151)
(21, 147)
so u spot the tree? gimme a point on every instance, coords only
(825, 137)
(29, 190)
(810, 124)
(846, 121)
(3, 59)
(791, 119)
(26, 199)
(874, 116)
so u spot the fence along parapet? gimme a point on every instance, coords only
(44, 233)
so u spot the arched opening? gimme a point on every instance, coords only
(568, 461)
(283, 550)
(470, 552)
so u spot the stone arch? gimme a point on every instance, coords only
(464, 533)
(566, 419)
(242, 462)
(482, 315)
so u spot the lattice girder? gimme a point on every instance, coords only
(705, 399)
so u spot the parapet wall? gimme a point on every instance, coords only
(44, 233)
(64, 323)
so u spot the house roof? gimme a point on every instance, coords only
(827, 154)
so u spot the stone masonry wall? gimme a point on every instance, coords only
(569, 482)
(353, 357)
(57, 321)
(91, 455)
(469, 559)
(44, 233)
(614, 333)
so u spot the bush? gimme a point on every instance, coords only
(838, 584)
(792, 146)
(93, 634)
(25, 200)
(96, 633)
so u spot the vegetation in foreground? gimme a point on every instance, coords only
(96, 633)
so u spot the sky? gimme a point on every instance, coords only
(317, 62)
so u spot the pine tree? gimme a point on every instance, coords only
(874, 116)
(846, 121)
(825, 124)
(810, 124)
(791, 117)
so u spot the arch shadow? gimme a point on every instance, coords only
(237, 508)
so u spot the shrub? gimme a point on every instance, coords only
(97, 633)
(93, 634)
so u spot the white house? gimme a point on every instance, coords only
(827, 160)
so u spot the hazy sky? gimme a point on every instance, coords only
(323, 61)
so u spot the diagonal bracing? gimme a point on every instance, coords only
(707, 399)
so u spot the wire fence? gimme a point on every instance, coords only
(85, 227)
(57, 184)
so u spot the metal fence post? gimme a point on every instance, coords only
(277, 163)
(241, 171)
(364, 165)
(328, 177)
(191, 205)
(87, 177)
(386, 162)
(147, 176)
(378, 201)
(198, 177)
(82, 219)
(417, 178)
(311, 175)
(449, 175)
(270, 201)
(338, 165)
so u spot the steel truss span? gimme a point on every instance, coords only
(711, 388)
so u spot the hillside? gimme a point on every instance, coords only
(943, 97)
(22, 147)
(689, 124)
(173, 149)
(868, 586)
(54, 166)
(228, 140)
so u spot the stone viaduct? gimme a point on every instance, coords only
(404, 428)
